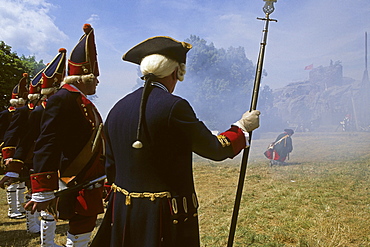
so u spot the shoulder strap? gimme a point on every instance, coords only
(277, 142)
(87, 152)
(83, 158)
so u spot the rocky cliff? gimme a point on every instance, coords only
(324, 100)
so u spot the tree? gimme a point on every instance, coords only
(30, 64)
(11, 69)
(218, 82)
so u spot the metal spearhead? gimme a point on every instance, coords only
(269, 6)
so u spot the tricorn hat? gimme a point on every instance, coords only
(289, 131)
(83, 58)
(54, 72)
(162, 45)
(20, 91)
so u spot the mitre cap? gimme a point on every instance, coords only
(35, 83)
(54, 72)
(83, 58)
(20, 90)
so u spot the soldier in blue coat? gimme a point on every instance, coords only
(5, 118)
(12, 136)
(151, 135)
(42, 86)
(17, 100)
(16, 128)
(69, 150)
(18, 131)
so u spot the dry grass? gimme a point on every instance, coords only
(321, 198)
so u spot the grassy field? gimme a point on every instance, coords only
(320, 198)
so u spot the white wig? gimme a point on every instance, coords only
(48, 91)
(15, 102)
(161, 66)
(34, 96)
(74, 78)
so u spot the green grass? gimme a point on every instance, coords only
(321, 198)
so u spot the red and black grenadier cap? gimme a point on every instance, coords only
(83, 58)
(20, 91)
(54, 72)
(35, 84)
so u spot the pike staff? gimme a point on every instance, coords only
(268, 8)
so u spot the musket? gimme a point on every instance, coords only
(267, 9)
(66, 189)
(52, 207)
(79, 186)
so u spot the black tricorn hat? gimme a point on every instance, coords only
(289, 131)
(162, 45)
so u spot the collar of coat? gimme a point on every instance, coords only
(74, 89)
(85, 104)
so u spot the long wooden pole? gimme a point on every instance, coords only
(253, 106)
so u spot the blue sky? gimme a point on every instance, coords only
(307, 32)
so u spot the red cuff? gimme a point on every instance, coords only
(8, 152)
(237, 138)
(15, 166)
(44, 181)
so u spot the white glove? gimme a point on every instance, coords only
(249, 121)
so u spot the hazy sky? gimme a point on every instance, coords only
(307, 32)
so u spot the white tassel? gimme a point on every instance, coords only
(137, 144)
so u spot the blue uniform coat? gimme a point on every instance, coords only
(284, 147)
(67, 125)
(5, 118)
(164, 163)
(24, 150)
(16, 130)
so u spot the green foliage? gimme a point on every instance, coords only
(11, 69)
(30, 64)
(10, 72)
